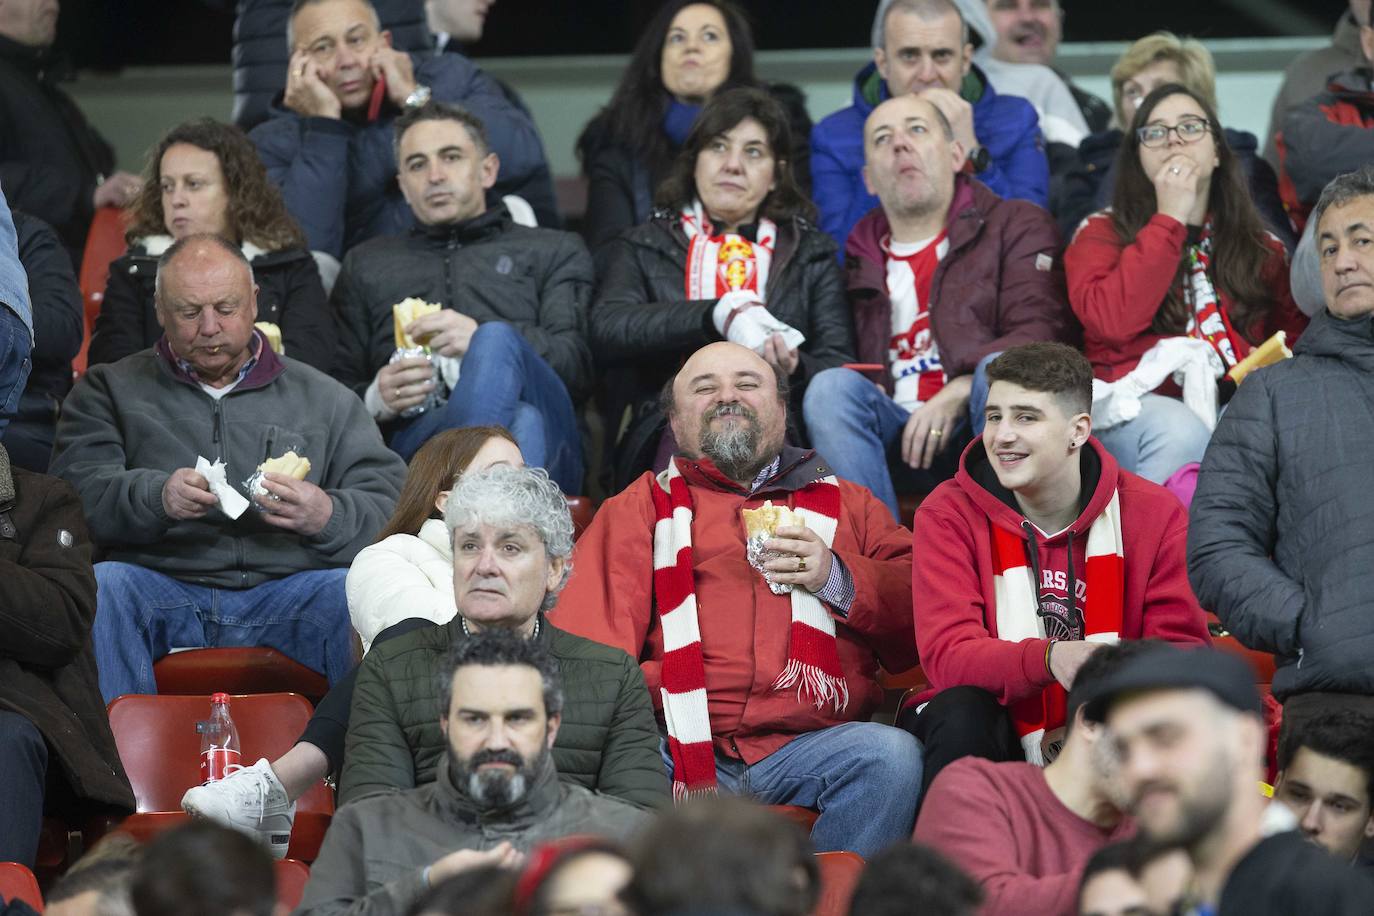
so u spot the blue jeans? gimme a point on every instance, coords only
(15, 347)
(23, 778)
(864, 778)
(1163, 437)
(857, 429)
(141, 615)
(505, 383)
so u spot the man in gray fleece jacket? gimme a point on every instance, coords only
(182, 569)
(497, 794)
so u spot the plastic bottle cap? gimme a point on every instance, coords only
(219, 698)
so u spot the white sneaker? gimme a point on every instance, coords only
(250, 799)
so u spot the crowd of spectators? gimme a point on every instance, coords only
(982, 385)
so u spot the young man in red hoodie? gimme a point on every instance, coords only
(1039, 552)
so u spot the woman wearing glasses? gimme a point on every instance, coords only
(1182, 252)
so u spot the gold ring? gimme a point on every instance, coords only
(300, 71)
(937, 433)
(801, 564)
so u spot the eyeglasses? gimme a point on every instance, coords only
(1189, 130)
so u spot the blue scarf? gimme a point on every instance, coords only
(678, 121)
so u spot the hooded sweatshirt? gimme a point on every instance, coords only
(952, 579)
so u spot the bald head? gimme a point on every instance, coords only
(910, 158)
(729, 404)
(206, 303)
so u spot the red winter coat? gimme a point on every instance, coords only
(1116, 290)
(744, 626)
(952, 580)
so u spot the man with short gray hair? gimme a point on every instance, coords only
(512, 542)
(1278, 542)
(190, 564)
(500, 711)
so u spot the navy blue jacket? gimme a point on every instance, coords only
(1007, 126)
(338, 177)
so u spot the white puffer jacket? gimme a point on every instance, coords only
(401, 577)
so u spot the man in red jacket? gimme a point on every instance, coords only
(1038, 553)
(763, 666)
(942, 277)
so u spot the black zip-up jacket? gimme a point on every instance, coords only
(50, 158)
(643, 328)
(490, 269)
(290, 295)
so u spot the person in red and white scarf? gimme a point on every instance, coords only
(1040, 551)
(761, 693)
(1182, 252)
(941, 278)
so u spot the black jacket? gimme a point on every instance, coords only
(47, 606)
(488, 268)
(58, 318)
(1286, 874)
(621, 182)
(642, 328)
(290, 295)
(1088, 188)
(50, 158)
(260, 54)
(1279, 536)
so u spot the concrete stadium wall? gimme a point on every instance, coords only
(135, 107)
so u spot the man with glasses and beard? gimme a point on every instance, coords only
(1187, 728)
(497, 794)
(759, 637)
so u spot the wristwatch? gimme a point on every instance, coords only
(418, 96)
(980, 159)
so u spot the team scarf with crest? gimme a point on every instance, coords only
(1016, 594)
(813, 659)
(1206, 318)
(724, 263)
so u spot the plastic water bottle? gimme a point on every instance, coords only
(219, 741)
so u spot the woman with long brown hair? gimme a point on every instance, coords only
(400, 583)
(1182, 252)
(205, 177)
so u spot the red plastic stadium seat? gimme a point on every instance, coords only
(583, 510)
(160, 749)
(292, 876)
(803, 817)
(910, 679)
(246, 669)
(104, 243)
(840, 873)
(18, 883)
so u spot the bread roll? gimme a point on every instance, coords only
(768, 518)
(403, 313)
(288, 465)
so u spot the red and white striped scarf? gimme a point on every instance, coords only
(1015, 592)
(813, 659)
(720, 264)
(1207, 320)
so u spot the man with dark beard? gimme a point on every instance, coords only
(1188, 731)
(497, 794)
(760, 595)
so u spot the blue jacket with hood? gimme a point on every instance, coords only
(1007, 126)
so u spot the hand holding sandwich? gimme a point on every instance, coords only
(805, 560)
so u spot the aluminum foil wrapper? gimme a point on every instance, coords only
(757, 555)
(435, 398)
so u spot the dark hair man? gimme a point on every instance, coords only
(909, 878)
(1326, 778)
(1039, 553)
(514, 305)
(208, 869)
(326, 142)
(1188, 737)
(501, 706)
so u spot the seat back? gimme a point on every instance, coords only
(104, 243)
(237, 669)
(18, 883)
(840, 872)
(292, 875)
(160, 749)
(583, 510)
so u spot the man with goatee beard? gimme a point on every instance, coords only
(497, 794)
(759, 636)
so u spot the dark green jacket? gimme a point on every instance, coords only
(608, 740)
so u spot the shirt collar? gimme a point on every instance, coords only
(255, 348)
(765, 475)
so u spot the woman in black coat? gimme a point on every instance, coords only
(730, 254)
(690, 51)
(205, 176)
